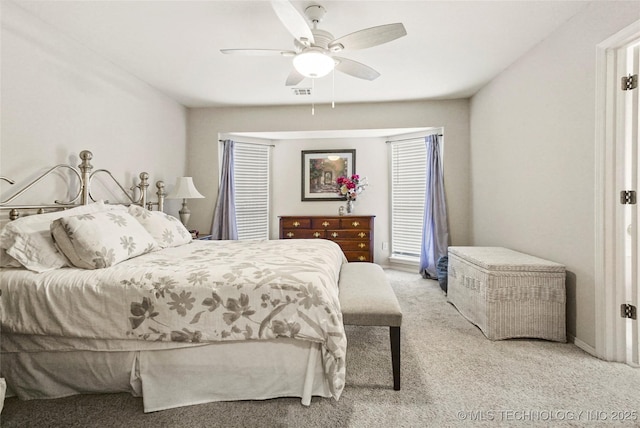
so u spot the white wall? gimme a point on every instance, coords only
(206, 123)
(532, 155)
(59, 98)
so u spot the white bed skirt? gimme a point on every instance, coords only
(168, 378)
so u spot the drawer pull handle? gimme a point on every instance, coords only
(355, 224)
(361, 245)
(325, 223)
(296, 223)
(334, 234)
(362, 234)
(290, 234)
(317, 234)
(362, 258)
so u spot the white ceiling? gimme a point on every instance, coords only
(451, 50)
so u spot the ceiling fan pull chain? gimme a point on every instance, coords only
(333, 89)
(313, 103)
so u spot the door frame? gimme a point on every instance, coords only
(609, 288)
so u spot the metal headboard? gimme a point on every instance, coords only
(84, 172)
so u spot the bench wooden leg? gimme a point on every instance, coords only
(394, 336)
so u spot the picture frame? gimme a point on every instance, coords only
(321, 168)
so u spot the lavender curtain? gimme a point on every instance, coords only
(224, 217)
(435, 232)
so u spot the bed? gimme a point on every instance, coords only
(174, 320)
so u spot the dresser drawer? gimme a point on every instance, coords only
(358, 256)
(302, 233)
(353, 245)
(348, 234)
(296, 223)
(355, 223)
(325, 223)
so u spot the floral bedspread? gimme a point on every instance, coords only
(204, 291)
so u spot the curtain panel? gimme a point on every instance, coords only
(224, 218)
(435, 233)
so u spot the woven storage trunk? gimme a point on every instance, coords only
(508, 294)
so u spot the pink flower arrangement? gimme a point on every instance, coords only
(351, 187)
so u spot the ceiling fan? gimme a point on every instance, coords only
(315, 50)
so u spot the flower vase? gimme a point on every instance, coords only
(349, 206)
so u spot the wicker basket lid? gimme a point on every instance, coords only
(504, 259)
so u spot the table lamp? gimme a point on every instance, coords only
(184, 189)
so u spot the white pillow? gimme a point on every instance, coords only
(28, 239)
(102, 239)
(6, 260)
(167, 230)
(115, 207)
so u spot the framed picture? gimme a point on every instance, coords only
(321, 168)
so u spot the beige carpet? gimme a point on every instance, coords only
(451, 376)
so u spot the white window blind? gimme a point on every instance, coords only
(408, 183)
(251, 175)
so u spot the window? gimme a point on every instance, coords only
(251, 175)
(408, 184)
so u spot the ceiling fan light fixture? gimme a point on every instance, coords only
(314, 63)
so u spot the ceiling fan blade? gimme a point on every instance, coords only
(369, 37)
(257, 52)
(294, 78)
(355, 69)
(295, 23)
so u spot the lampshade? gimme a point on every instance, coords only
(313, 62)
(184, 189)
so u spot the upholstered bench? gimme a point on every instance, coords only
(367, 299)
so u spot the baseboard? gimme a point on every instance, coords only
(582, 345)
(403, 264)
(591, 350)
(402, 267)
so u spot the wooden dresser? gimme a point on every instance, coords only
(354, 234)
